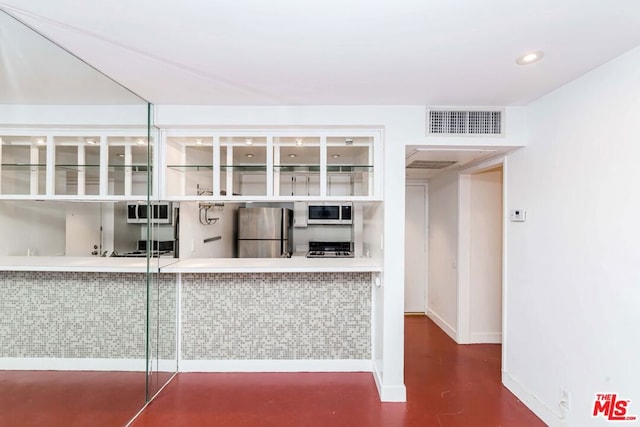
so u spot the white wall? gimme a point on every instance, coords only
(73, 115)
(573, 276)
(37, 228)
(443, 250)
(485, 260)
(193, 233)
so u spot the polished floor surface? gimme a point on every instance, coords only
(447, 386)
(73, 398)
(69, 398)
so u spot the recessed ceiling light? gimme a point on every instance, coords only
(91, 141)
(120, 155)
(249, 155)
(529, 58)
(199, 141)
(40, 141)
(292, 155)
(141, 141)
(348, 141)
(335, 156)
(248, 141)
(299, 141)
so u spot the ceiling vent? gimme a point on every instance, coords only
(465, 122)
(430, 164)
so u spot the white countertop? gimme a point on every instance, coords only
(88, 264)
(192, 265)
(273, 265)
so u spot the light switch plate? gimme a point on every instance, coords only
(518, 215)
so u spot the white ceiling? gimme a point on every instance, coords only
(330, 52)
(375, 52)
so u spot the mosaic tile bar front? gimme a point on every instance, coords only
(84, 315)
(276, 316)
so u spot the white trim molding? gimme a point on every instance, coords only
(539, 408)
(81, 364)
(447, 328)
(311, 365)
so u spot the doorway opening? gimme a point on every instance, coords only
(480, 255)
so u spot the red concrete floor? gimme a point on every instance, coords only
(70, 399)
(447, 386)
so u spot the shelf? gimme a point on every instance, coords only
(135, 168)
(297, 168)
(190, 168)
(349, 168)
(21, 166)
(241, 168)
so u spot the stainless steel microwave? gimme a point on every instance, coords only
(138, 212)
(330, 213)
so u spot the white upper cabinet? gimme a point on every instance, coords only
(238, 165)
(281, 165)
(101, 165)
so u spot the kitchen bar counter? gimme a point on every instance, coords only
(273, 265)
(88, 264)
(192, 265)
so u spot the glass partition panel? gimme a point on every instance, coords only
(88, 305)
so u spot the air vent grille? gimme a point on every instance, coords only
(429, 164)
(458, 122)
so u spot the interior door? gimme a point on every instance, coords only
(415, 253)
(83, 229)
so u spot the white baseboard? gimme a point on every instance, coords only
(329, 365)
(540, 409)
(389, 393)
(81, 364)
(70, 364)
(442, 324)
(486, 338)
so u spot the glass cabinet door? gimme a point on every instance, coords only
(349, 166)
(296, 166)
(127, 166)
(245, 166)
(23, 165)
(77, 165)
(189, 166)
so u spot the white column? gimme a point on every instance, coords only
(391, 383)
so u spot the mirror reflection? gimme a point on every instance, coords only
(88, 331)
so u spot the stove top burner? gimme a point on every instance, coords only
(330, 250)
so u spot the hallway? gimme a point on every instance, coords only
(447, 386)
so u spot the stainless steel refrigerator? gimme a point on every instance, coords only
(264, 232)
